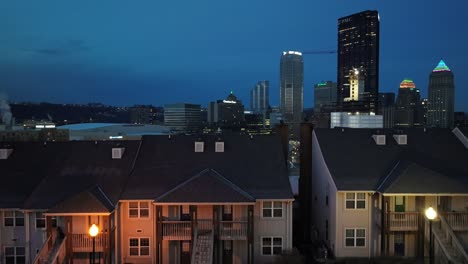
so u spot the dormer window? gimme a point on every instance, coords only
(219, 146)
(199, 146)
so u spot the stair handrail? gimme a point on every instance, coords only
(61, 253)
(194, 244)
(453, 238)
(43, 251)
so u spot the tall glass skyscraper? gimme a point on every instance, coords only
(358, 48)
(291, 86)
(440, 112)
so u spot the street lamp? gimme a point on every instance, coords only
(431, 214)
(93, 232)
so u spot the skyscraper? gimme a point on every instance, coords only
(408, 111)
(291, 86)
(387, 108)
(358, 48)
(260, 97)
(441, 97)
(324, 96)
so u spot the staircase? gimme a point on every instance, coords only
(447, 247)
(53, 251)
(203, 248)
(54, 255)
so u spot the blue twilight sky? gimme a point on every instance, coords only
(157, 52)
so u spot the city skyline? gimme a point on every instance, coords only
(125, 54)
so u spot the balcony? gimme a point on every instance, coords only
(233, 230)
(402, 221)
(177, 230)
(458, 221)
(84, 243)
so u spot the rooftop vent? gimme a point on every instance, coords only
(199, 146)
(117, 153)
(401, 139)
(379, 139)
(219, 146)
(5, 153)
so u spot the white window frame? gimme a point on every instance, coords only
(15, 255)
(271, 246)
(139, 208)
(355, 200)
(355, 237)
(139, 247)
(43, 218)
(272, 210)
(15, 216)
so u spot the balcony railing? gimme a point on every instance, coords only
(177, 230)
(458, 221)
(84, 243)
(233, 230)
(402, 221)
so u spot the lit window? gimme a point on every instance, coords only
(15, 255)
(138, 209)
(272, 246)
(40, 220)
(13, 218)
(355, 200)
(272, 209)
(139, 247)
(355, 237)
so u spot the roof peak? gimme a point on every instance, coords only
(441, 67)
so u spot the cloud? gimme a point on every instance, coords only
(64, 48)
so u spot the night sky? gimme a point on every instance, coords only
(157, 52)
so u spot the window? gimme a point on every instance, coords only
(355, 237)
(138, 210)
(355, 200)
(13, 218)
(272, 245)
(139, 247)
(272, 209)
(40, 220)
(15, 255)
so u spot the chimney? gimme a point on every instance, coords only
(282, 131)
(305, 180)
(199, 146)
(5, 153)
(379, 139)
(401, 139)
(219, 146)
(117, 153)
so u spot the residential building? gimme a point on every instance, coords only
(162, 199)
(355, 120)
(370, 189)
(324, 96)
(387, 109)
(440, 111)
(260, 97)
(408, 112)
(292, 88)
(182, 116)
(226, 113)
(358, 48)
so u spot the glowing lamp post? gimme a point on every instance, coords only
(431, 214)
(93, 232)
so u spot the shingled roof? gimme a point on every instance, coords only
(433, 161)
(255, 166)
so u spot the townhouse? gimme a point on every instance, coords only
(176, 199)
(370, 189)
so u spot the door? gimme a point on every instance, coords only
(399, 244)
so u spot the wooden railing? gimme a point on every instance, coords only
(61, 253)
(458, 221)
(447, 237)
(402, 221)
(177, 230)
(84, 243)
(204, 224)
(233, 230)
(48, 245)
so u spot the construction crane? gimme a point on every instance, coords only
(319, 52)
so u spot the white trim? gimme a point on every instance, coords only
(208, 203)
(75, 214)
(271, 246)
(425, 194)
(355, 237)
